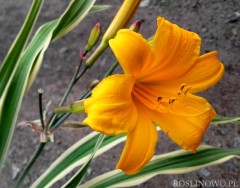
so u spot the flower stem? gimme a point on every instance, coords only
(100, 49)
(63, 117)
(112, 68)
(51, 121)
(40, 92)
(74, 80)
(35, 155)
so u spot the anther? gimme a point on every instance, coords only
(185, 92)
(171, 100)
(182, 87)
(160, 98)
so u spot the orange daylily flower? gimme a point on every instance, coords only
(158, 85)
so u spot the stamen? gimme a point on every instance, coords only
(160, 107)
(182, 87)
(171, 100)
(185, 92)
(160, 98)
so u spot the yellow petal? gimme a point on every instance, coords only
(190, 105)
(131, 50)
(147, 95)
(186, 121)
(207, 71)
(111, 109)
(123, 16)
(175, 51)
(140, 145)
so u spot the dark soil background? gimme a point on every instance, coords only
(216, 21)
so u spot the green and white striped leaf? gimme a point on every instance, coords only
(223, 120)
(73, 15)
(177, 162)
(76, 11)
(7, 73)
(97, 8)
(76, 155)
(77, 178)
(11, 61)
(29, 64)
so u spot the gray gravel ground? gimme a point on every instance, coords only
(216, 21)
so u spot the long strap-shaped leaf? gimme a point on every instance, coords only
(75, 12)
(77, 178)
(7, 72)
(29, 65)
(10, 62)
(75, 156)
(177, 162)
(97, 8)
(223, 120)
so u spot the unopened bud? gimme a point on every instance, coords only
(93, 84)
(94, 36)
(76, 107)
(122, 18)
(136, 25)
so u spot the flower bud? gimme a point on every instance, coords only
(94, 36)
(136, 25)
(122, 18)
(93, 84)
(76, 107)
